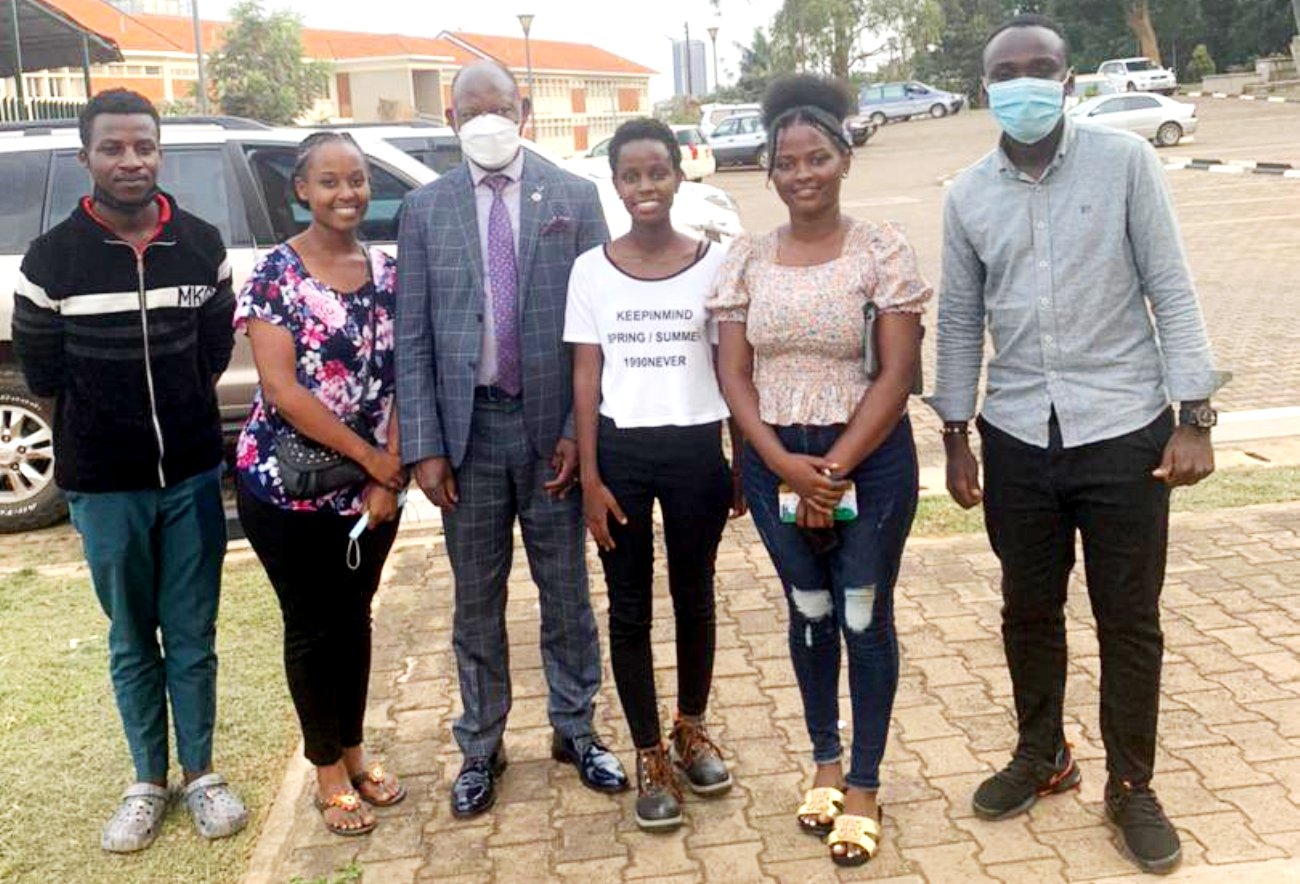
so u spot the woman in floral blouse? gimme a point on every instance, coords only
(830, 467)
(318, 311)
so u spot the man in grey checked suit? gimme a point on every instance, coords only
(484, 400)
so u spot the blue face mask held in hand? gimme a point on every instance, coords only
(1027, 108)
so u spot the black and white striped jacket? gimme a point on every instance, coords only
(129, 344)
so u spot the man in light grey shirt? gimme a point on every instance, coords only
(1063, 244)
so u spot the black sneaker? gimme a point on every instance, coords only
(1149, 838)
(658, 800)
(1015, 788)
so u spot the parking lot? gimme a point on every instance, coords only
(1242, 231)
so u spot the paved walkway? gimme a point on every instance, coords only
(1229, 753)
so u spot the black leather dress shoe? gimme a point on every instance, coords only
(598, 768)
(475, 789)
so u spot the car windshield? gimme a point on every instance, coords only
(1140, 64)
(687, 136)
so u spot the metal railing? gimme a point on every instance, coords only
(12, 111)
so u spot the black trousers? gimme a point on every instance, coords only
(326, 608)
(684, 469)
(1035, 501)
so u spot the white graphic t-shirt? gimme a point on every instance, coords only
(655, 336)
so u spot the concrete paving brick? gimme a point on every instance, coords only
(923, 723)
(945, 671)
(658, 856)
(1039, 871)
(1227, 838)
(1217, 707)
(1285, 714)
(1005, 841)
(1248, 687)
(1212, 660)
(1222, 767)
(733, 864)
(1259, 741)
(1184, 728)
(592, 870)
(718, 821)
(1090, 853)
(582, 839)
(945, 756)
(1268, 808)
(948, 862)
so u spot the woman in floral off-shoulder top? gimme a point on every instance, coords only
(821, 437)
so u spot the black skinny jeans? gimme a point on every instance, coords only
(326, 608)
(684, 469)
(1035, 500)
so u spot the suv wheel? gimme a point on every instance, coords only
(879, 118)
(938, 110)
(29, 498)
(760, 158)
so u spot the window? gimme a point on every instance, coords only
(197, 178)
(873, 93)
(273, 170)
(1114, 105)
(1140, 64)
(1141, 102)
(893, 92)
(689, 136)
(439, 152)
(749, 125)
(601, 150)
(21, 198)
(727, 127)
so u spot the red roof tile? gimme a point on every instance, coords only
(549, 54)
(109, 21)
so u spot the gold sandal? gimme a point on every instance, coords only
(852, 831)
(377, 776)
(824, 801)
(350, 803)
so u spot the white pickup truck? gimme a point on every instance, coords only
(1139, 75)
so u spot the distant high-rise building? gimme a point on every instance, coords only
(699, 83)
(153, 7)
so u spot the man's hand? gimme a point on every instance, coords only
(385, 468)
(598, 504)
(1189, 458)
(565, 464)
(436, 479)
(963, 472)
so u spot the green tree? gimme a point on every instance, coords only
(836, 36)
(1201, 65)
(259, 71)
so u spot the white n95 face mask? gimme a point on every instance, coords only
(490, 141)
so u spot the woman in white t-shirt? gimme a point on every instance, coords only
(649, 415)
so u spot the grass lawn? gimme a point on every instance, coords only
(938, 516)
(63, 759)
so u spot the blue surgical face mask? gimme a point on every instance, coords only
(1027, 108)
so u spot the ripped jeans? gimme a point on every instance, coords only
(847, 591)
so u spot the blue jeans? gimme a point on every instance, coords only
(155, 560)
(847, 591)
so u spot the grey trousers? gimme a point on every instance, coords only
(500, 479)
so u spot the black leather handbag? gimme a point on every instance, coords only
(308, 469)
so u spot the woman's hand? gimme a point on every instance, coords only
(381, 504)
(807, 517)
(385, 468)
(598, 504)
(739, 506)
(812, 479)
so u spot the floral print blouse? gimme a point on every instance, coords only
(806, 324)
(332, 340)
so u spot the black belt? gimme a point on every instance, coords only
(494, 394)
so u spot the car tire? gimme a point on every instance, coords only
(1169, 134)
(938, 110)
(760, 158)
(1130, 87)
(29, 499)
(879, 118)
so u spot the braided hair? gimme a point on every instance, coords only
(308, 147)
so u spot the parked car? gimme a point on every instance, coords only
(860, 129)
(713, 114)
(698, 161)
(1139, 75)
(701, 209)
(1154, 117)
(233, 173)
(885, 102)
(1089, 86)
(740, 140)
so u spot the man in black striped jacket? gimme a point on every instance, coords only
(123, 316)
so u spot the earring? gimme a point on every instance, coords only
(844, 174)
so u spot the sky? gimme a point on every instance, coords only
(639, 33)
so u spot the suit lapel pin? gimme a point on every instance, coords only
(536, 195)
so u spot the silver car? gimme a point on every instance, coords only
(1155, 117)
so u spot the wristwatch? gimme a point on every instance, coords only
(1199, 415)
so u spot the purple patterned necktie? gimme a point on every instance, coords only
(502, 274)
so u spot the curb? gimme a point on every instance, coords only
(1271, 99)
(1235, 167)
